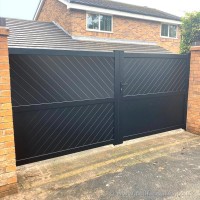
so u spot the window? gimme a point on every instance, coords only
(99, 22)
(168, 30)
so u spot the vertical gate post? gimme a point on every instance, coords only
(118, 136)
(8, 178)
(193, 111)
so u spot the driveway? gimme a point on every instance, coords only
(162, 166)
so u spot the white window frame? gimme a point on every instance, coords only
(98, 30)
(168, 31)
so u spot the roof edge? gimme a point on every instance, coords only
(119, 13)
(114, 41)
(61, 28)
(40, 5)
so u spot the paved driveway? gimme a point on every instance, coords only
(163, 166)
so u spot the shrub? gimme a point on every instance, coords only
(190, 30)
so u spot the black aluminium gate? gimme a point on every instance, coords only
(67, 101)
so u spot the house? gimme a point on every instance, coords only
(30, 34)
(109, 21)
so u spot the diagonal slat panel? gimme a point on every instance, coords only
(154, 98)
(43, 79)
(64, 128)
(153, 75)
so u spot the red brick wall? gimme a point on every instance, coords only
(74, 21)
(53, 10)
(125, 28)
(193, 116)
(8, 178)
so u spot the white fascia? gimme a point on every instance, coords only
(38, 9)
(118, 13)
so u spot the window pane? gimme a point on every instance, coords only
(164, 31)
(172, 31)
(93, 21)
(106, 23)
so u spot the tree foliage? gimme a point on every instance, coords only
(190, 30)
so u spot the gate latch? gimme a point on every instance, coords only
(122, 86)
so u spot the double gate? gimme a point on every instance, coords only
(67, 101)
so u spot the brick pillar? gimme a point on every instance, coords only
(193, 115)
(8, 178)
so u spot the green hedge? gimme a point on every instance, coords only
(190, 30)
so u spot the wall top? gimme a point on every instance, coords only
(4, 31)
(195, 48)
